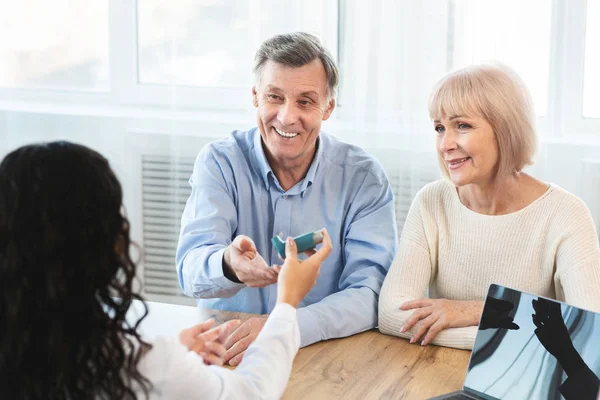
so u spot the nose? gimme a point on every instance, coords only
(447, 142)
(288, 114)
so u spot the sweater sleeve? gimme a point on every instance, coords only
(409, 279)
(577, 277)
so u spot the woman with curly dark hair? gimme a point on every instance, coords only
(66, 285)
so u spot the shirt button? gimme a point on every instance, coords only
(284, 196)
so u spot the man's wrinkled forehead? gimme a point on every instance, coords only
(298, 91)
(308, 79)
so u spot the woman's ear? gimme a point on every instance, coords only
(119, 246)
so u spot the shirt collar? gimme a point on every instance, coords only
(312, 170)
(261, 159)
(265, 169)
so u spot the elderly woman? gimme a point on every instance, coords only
(488, 221)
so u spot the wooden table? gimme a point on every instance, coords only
(369, 365)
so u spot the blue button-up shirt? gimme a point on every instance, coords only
(235, 192)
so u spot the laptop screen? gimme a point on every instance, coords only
(530, 347)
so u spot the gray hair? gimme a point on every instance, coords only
(296, 50)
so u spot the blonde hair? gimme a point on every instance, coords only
(496, 93)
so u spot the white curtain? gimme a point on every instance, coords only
(393, 52)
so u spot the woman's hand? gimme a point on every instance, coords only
(431, 316)
(208, 341)
(296, 277)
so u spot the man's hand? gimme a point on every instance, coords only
(237, 343)
(431, 316)
(242, 263)
(207, 340)
(296, 278)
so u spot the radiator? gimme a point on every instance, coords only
(165, 189)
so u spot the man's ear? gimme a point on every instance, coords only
(329, 109)
(254, 96)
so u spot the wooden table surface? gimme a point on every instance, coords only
(369, 365)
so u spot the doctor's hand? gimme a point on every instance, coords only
(296, 279)
(243, 264)
(431, 316)
(237, 343)
(207, 340)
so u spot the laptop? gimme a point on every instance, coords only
(531, 347)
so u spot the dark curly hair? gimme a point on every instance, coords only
(65, 278)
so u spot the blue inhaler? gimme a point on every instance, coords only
(303, 242)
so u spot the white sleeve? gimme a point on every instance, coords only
(177, 373)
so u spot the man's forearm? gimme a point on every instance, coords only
(341, 314)
(228, 272)
(202, 275)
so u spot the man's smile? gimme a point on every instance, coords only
(286, 134)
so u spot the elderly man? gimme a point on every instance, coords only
(287, 176)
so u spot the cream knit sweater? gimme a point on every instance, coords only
(549, 248)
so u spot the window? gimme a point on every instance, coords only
(198, 55)
(393, 53)
(591, 87)
(212, 43)
(54, 44)
(518, 33)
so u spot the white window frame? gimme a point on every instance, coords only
(564, 116)
(125, 66)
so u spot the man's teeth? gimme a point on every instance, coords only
(286, 134)
(459, 161)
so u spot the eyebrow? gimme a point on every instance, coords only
(310, 93)
(305, 94)
(271, 87)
